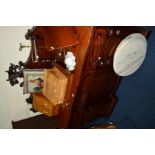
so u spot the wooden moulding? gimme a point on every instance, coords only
(55, 83)
(43, 105)
(57, 37)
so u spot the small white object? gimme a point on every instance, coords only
(67, 104)
(73, 95)
(70, 61)
(60, 54)
(130, 54)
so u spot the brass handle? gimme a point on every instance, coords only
(21, 46)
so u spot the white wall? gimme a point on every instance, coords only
(13, 106)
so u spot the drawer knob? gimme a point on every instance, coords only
(110, 32)
(102, 62)
(118, 32)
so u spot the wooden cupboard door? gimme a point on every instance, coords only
(101, 88)
(101, 54)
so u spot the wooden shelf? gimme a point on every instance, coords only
(57, 37)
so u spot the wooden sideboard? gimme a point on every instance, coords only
(92, 84)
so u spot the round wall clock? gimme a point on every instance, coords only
(130, 54)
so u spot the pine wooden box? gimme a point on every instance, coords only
(55, 83)
(43, 105)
